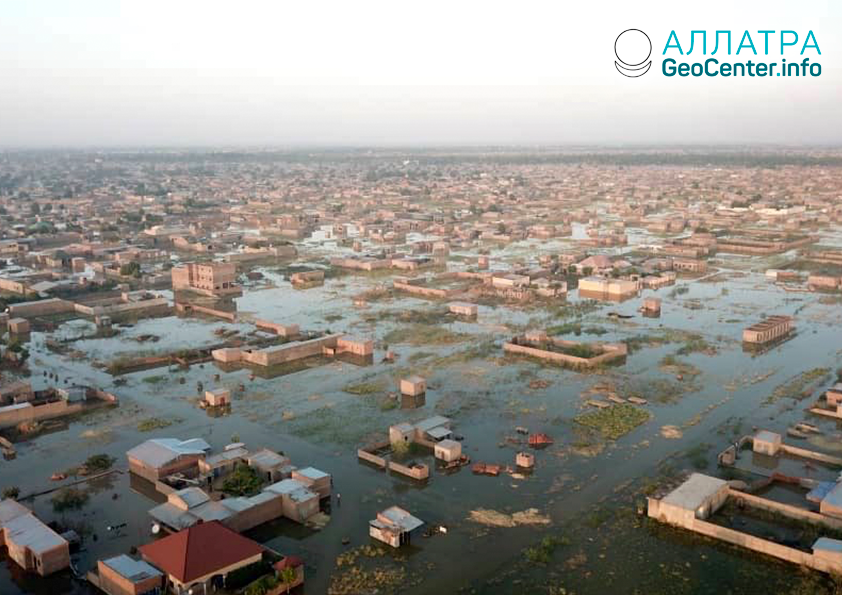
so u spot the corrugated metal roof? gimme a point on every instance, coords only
(131, 569)
(160, 451)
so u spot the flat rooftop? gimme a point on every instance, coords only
(695, 491)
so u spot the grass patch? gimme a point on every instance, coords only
(616, 421)
(364, 388)
(543, 551)
(154, 423)
(420, 334)
(799, 387)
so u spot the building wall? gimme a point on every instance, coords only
(420, 472)
(300, 511)
(114, 584)
(290, 352)
(391, 538)
(320, 486)
(614, 351)
(362, 348)
(153, 474)
(40, 308)
(256, 515)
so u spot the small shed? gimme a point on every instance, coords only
(403, 432)
(18, 326)
(525, 460)
(448, 450)
(767, 443)
(652, 305)
(462, 308)
(834, 394)
(413, 386)
(218, 398)
(393, 526)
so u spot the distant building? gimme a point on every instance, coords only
(413, 386)
(215, 278)
(769, 329)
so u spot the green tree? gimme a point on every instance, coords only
(244, 481)
(131, 269)
(11, 492)
(288, 576)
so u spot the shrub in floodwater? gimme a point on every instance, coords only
(69, 499)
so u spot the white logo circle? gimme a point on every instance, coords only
(632, 47)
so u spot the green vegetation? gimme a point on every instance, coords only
(420, 334)
(153, 423)
(698, 456)
(693, 342)
(364, 388)
(243, 481)
(131, 269)
(615, 421)
(69, 499)
(11, 492)
(543, 551)
(673, 364)
(388, 405)
(799, 387)
(581, 350)
(99, 463)
(419, 355)
(262, 585)
(574, 328)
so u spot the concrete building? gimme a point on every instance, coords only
(602, 288)
(697, 498)
(30, 543)
(413, 386)
(462, 308)
(767, 443)
(315, 480)
(299, 502)
(834, 394)
(525, 460)
(18, 326)
(160, 457)
(448, 450)
(269, 464)
(831, 504)
(394, 526)
(651, 306)
(16, 392)
(122, 575)
(769, 329)
(218, 398)
(214, 278)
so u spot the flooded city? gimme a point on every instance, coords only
(421, 371)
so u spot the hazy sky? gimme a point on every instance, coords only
(360, 72)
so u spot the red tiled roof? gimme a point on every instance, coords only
(199, 551)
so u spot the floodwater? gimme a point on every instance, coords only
(588, 488)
